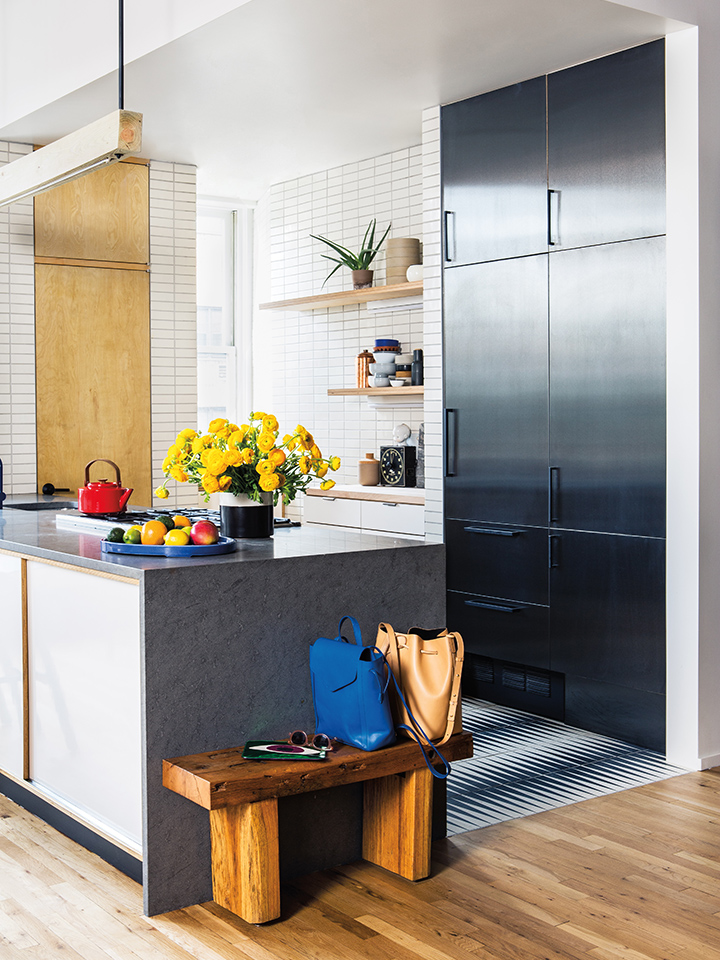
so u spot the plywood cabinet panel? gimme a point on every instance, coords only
(103, 216)
(93, 375)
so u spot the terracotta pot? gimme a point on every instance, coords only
(362, 279)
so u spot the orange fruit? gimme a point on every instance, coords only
(180, 521)
(177, 538)
(153, 533)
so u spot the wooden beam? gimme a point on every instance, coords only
(98, 144)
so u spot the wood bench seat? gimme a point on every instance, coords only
(242, 796)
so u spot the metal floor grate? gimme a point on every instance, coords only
(524, 764)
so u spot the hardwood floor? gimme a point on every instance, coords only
(629, 876)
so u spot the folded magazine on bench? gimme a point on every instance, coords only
(273, 750)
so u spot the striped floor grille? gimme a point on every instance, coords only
(524, 764)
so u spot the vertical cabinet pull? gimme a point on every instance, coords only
(449, 231)
(553, 218)
(450, 442)
(554, 497)
(553, 551)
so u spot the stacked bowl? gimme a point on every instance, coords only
(384, 352)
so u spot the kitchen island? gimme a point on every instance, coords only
(111, 663)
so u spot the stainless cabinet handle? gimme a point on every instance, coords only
(554, 494)
(498, 607)
(449, 232)
(450, 442)
(553, 218)
(492, 532)
(553, 551)
(386, 504)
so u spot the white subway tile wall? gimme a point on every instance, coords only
(172, 322)
(299, 355)
(173, 315)
(17, 338)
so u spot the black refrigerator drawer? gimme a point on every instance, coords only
(497, 560)
(501, 629)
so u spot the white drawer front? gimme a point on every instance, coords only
(342, 513)
(406, 518)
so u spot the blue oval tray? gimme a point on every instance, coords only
(224, 545)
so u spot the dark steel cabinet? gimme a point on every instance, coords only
(607, 388)
(507, 630)
(495, 174)
(496, 382)
(606, 148)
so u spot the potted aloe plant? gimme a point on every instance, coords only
(358, 263)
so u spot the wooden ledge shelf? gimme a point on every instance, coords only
(344, 298)
(398, 392)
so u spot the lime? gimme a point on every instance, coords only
(167, 520)
(116, 535)
(132, 535)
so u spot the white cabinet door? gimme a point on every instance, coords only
(11, 666)
(335, 511)
(402, 518)
(85, 711)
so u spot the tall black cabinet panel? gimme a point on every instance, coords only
(496, 391)
(495, 174)
(607, 388)
(607, 626)
(606, 148)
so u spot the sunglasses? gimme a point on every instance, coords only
(319, 740)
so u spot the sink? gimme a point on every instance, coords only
(42, 505)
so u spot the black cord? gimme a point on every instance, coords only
(121, 54)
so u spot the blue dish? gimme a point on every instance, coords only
(224, 545)
(387, 343)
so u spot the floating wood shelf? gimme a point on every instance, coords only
(398, 392)
(343, 298)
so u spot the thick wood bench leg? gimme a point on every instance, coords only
(397, 823)
(246, 860)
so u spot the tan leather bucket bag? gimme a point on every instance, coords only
(428, 667)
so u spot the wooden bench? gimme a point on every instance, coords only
(242, 797)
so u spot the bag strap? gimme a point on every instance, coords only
(455, 689)
(426, 741)
(356, 631)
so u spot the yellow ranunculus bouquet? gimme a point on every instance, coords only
(247, 459)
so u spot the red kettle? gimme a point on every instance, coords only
(103, 496)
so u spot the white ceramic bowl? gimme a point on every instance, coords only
(380, 382)
(383, 356)
(382, 369)
(395, 382)
(414, 273)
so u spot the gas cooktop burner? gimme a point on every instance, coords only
(102, 522)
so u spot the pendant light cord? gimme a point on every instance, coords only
(121, 54)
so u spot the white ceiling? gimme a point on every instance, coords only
(279, 88)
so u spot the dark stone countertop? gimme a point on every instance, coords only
(34, 533)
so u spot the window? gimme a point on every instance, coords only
(224, 299)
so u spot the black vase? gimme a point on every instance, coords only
(246, 521)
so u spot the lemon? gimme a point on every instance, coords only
(176, 538)
(116, 535)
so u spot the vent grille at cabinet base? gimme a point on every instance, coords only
(513, 685)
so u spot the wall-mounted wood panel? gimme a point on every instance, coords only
(102, 216)
(93, 375)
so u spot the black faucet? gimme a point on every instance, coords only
(2, 495)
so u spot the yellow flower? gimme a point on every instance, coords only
(225, 482)
(305, 437)
(177, 473)
(232, 427)
(327, 484)
(316, 452)
(162, 493)
(321, 470)
(217, 425)
(210, 483)
(277, 457)
(174, 451)
(215, 462)
(264, 467)
(290, 442)
(188, 434)
(334, 463)
(233, 457)
(247, 455)
(304, 464)
(258, 415)
(269, 423)
(269, 482)
(198, 445)
(266, 441)
(167, 463)
(237, 436)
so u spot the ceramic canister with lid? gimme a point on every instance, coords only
(369, 471)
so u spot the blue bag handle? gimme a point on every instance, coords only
(356, 631)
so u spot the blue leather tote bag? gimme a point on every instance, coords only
(350, 691)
